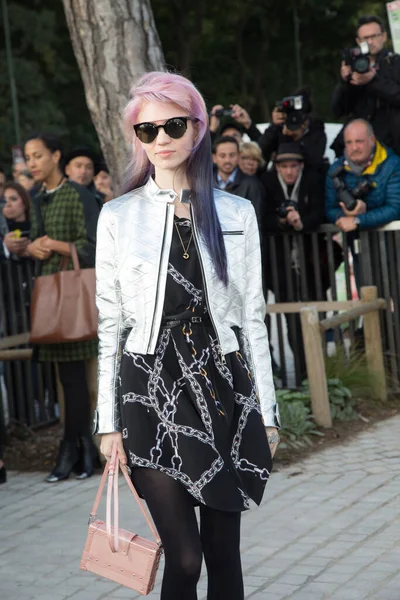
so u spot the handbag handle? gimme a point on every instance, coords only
(75, 260)
(111, 471)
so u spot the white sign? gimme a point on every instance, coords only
(393, 10)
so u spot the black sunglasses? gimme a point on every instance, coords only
(175, 128)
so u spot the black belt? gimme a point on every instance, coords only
(171, 322)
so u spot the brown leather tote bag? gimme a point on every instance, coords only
(63, 305)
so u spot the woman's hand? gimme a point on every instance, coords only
(38, 250)
(14, 244)
(56, 246)
(107, 442)
(272, 431)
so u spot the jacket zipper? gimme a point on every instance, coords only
(153, 324)
(204, 280)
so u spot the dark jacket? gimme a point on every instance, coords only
(383, 201)
(249, 187)
(310, 200)
(313, 142)
(311, 210)
(378, 102)
(99, 196)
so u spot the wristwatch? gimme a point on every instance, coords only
(356, 221)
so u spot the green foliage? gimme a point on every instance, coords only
(49, 87)
(244, 51)
(295, 409)
(297, 422)
(341, 400)
(352, 370)
(234, 50)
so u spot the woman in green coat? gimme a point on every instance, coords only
(64, 212)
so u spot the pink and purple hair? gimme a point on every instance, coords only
(169, 87)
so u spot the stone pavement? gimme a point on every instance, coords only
(329, 527)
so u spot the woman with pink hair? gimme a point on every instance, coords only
(185, 381)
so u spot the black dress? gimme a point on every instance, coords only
(188, 411)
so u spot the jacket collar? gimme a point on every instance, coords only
(157, 193)
(379, 157)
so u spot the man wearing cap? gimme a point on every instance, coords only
(294, 203)
(81, 166)
(103, 183)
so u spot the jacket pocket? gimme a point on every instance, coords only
(238, 232)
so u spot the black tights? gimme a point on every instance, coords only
(73, 378)
(171, 507)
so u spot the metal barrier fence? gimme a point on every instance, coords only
(379, 265)
(329, 265)
(297, 267)
(28, 388)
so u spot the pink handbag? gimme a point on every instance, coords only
(117, 554)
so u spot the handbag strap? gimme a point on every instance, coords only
(75, 260)
(37, 205)
(111, 471)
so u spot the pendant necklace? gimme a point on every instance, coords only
(185, 250)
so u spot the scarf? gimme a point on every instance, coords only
(295, 191)
(358, 169)
(294, 196)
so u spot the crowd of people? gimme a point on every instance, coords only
(53, 199)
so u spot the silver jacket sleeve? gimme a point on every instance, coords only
(256, 334)
(107, 419)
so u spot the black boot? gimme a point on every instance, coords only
(89, 457)
(67, 461)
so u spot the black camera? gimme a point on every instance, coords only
(362, 189)
(222, 112)
(282, 209)
(349, 197)
(290, 104)
(357, 58)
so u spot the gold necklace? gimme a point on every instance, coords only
(185, 250)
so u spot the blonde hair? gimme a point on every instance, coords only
(254, 151)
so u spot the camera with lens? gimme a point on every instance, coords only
(290, 104)
(282, 209)
(349, 197)
(222, 112)
(357, 58)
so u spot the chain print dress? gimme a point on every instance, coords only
(187, 410)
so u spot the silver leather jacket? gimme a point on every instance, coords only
(133, 244)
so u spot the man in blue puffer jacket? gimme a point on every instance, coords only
(365, 160)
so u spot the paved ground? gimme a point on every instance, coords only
(328, 528)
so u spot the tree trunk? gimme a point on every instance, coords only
(114, 41)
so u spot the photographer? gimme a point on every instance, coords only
(294, 192)
(292, 121)
(370, 85)
(363, 187)
(294, 203)
(242, 123)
